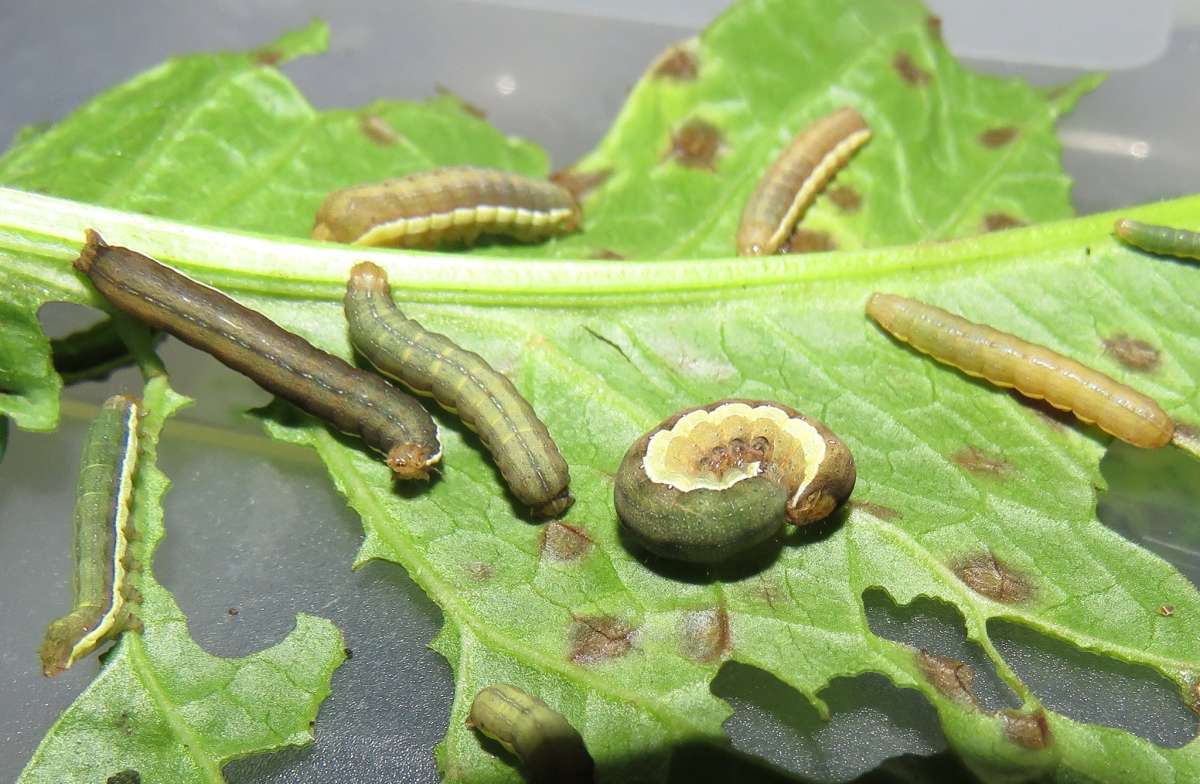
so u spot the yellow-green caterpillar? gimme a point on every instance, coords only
(550, 749)
(462, 382)
(1162, 240)
(103, 530)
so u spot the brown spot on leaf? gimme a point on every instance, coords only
(951, 677)
(975, 460)
(466, 105)
(770, 591)
(1167, 610)
(270, 57)
(677, 63)
(878, 510)
(607, 253)
(933, 25)
(986, 574)
(704, 634)
(909, 71)
(845, 198)
(479, 571)
(1029, 730)
(378, 130)
(564, 542)
(695, 144)
(596, 638)
(998, 137)
(808, 241)
(999, 221)
(1132, 353)
(580, 184)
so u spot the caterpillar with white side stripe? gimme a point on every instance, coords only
(451, 205)
(550, 749)
(796, 177)
(462, 382)
(1163, 240)
(1034, 371)
(103, 531)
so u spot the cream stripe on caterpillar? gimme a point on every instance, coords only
(451, 205)
(462, 382)
(1034, 371)
(796, 177)
(103, 529)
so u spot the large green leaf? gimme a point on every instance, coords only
(162, 706)
(954, 475)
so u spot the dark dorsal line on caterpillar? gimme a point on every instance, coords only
(462, 382)
(103, 564)
(1162, 240)
(1034, 371)
(550, 749)
(796, 177)
(352, 400)
(714, 481)
(450, 205)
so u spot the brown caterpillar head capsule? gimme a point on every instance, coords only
(713, 481)
(411, 461)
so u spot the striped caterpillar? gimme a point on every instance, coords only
(352, 400)
(796, 177)
(449, 205)
(1162, 240)
(550, 749)
(1034, 371)
(462, 382)
(712, 481)
(103, 530)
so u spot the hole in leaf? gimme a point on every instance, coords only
(938, 628)
(1096, 689)
(870, 721)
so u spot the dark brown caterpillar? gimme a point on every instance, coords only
(463, 382)
(450, 205)
(352, 400)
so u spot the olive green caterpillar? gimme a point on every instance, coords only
(449, 205)
(550, 749)
(796, 177)
(1035, 371)
(352, 400)
(712, 481)
(103, 530)
(1162, 240)
(462, 382)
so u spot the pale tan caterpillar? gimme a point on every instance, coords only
(1034, 371)
(550, 749)
(103, 530)
(796, 177)
(450, 205)
(462, 382)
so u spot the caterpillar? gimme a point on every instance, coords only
(796, 177)
(462, 382)
(352, 400)
(1035, 371)
(103, 531)
(449, 205)
(712, 481)
(1162, 240)
(550, 749)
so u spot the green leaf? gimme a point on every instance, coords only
(950, 469)
(164, 707)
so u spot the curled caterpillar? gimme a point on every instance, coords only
(550, 749)
(462, 382)
(712, 481)
(450, 205)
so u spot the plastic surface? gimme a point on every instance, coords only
(257, 527)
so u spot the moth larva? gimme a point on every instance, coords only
(712, 481)
(1162, 240)
(796, 177)
(103, 529)
(462, 382)
(352, 400)
(550, 749)
(1034, 371)
(451, 205)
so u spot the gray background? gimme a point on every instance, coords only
(256, 526)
